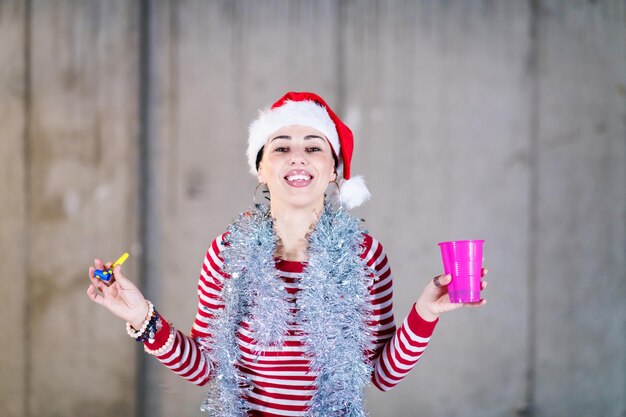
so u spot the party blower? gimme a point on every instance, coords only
(106, 275)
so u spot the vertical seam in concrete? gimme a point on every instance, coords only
(621, 11)
(340, 69)
(623, 20)
(144, 192)
(172, 148)
(533, 202)
(27, 205)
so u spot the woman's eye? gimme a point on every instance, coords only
(314, 149)
(281, 149)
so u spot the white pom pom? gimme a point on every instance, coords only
(354, 192)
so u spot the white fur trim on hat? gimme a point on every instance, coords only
(302, 113)
(353, 192)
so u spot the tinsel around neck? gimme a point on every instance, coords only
(333, 308)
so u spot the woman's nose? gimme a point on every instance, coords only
(297, 157)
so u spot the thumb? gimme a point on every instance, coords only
(441, 281)
(436, 287)
(119, 277)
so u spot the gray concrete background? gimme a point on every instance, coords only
(123, 127)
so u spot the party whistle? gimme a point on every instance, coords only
(107, 274)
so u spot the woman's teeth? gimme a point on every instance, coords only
(299, 177)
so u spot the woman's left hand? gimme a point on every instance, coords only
(434, 299)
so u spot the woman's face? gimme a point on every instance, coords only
(297, 166)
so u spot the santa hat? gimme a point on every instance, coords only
(308, 109)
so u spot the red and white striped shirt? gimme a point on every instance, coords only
(280, 379)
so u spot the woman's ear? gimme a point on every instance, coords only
(259, 175)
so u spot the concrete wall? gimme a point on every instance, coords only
(124, 128)
(69, 128)
(13, 288)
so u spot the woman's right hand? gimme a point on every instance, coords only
(121, 298)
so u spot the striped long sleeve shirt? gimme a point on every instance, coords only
(281, 382)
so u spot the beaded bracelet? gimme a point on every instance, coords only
(132, 332)
(165, 347)
(153, 327)
(148, 329)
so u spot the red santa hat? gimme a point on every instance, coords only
(308, 109)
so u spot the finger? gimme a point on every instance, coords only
(92, 274)
(98, 263)
(483, 285)
(100, 284)
(95, 281)
(111, 277)
(440, 281)
(475, 304)
(448, 305)
(94, 296)
(121, 279)
(484, 272)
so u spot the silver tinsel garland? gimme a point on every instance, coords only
(333, 309)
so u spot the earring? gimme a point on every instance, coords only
(334, 196)
(265, 191)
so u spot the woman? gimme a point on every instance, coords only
(294, 313)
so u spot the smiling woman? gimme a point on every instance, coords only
(297, 168)
(295, 313)
(309, 110)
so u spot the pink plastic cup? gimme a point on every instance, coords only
(464, 260)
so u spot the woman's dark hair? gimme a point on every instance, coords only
(259, 157)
